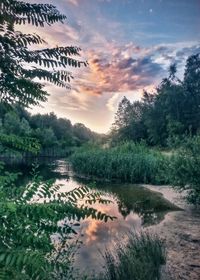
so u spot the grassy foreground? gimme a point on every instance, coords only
(140, 259)
(128, 162)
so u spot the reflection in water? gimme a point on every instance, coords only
(133, 206)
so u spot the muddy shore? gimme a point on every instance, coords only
(180, 231)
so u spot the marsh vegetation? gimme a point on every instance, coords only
(127, 162)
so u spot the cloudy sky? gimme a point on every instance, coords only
(129, 45)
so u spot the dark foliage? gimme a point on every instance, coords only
(17, 81)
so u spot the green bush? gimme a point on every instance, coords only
(139, 259)
(128, 162)
(185, 171)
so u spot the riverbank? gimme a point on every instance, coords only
(180, 231)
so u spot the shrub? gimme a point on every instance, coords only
(185, 171)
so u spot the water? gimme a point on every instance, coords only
(134, 207)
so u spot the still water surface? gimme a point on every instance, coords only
(134, 207)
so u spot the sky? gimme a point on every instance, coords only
(129, 45)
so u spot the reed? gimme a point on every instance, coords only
(128, 162)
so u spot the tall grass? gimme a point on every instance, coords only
(128, 162)
(139, 259)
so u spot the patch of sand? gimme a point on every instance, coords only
(181, 232)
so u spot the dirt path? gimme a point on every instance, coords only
(181, 232)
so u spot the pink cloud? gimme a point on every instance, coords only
(117, 69)
(73, 2)
(78, 2)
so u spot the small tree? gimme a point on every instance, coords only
(128, 123)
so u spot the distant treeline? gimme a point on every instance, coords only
(165, 117)
(56, 136)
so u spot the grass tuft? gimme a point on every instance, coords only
(139, 259)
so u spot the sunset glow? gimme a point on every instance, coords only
(129, 45)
